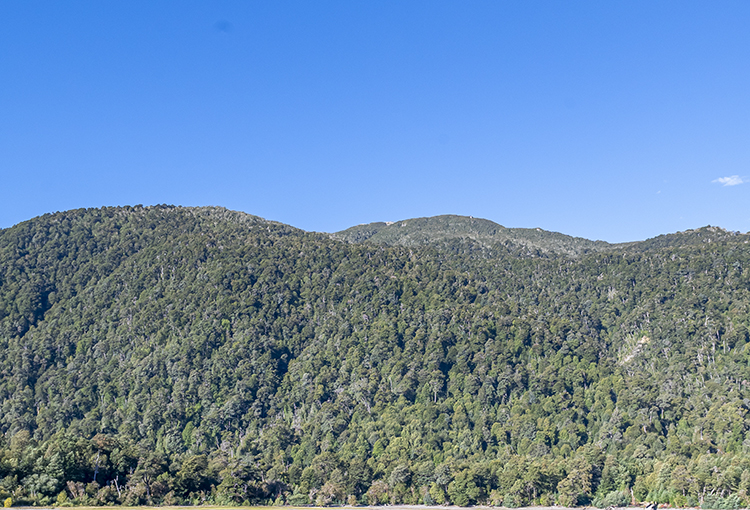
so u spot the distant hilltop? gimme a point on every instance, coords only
(435, 229)
(448, 229)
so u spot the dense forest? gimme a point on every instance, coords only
(168, 355)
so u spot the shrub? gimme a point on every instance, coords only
(614, 498)
(713, 502)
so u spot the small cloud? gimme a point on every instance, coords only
(732, 180)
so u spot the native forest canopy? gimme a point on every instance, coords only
(172, 355)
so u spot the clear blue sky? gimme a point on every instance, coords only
(616, 120)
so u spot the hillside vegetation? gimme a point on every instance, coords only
(183, 355)
(484, 233)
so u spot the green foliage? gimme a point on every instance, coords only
(729, 502)
(614, 499)
(484, 234)
(170, 355)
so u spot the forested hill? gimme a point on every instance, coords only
(484, 233)
(704, 235)
(183, 355)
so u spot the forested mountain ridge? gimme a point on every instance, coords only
(703, 235)
(169, 355)
(487, 234)
(421, 231)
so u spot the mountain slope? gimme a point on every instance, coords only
(180, 355)
(438, 230)
(699, 236)
(421, 231)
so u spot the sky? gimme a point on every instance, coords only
(617, 120)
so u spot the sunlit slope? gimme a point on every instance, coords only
(298, 360)
(436, 229)
(694, 237)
